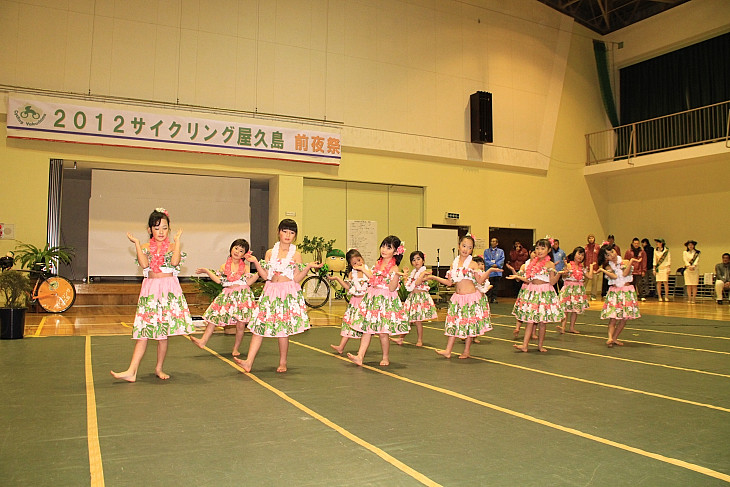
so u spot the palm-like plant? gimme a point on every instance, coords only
(316, 245)
(29, 256)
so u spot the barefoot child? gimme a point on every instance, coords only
(162, 310)
(468, 313)
(520, 273)
(282, 311)
(380, 312)
(419, 305)
(236, 304)
(620, 304)
(573, 297)
(356, 285)
(538, 304)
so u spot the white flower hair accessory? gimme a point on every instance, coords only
(162, 210)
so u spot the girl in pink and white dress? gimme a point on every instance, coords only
(381, 312)
(282, 311)
(356, 283)
(419, 306)
(468, 313)
(538, 304)
(573, 296)
(236, 304)
(162, 310)
(620, 304)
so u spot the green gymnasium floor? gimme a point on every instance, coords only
(655, 412)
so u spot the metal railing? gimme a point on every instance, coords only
(684, 129)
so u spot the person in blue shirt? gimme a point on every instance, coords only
(494, 259)
(559, 259)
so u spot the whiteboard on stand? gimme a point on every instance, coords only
(438, 244)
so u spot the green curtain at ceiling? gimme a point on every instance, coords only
(604, 80)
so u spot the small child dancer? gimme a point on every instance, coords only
(573, 297)
(356, 285)
(381, 312)
(484, 287)
(282, 311)
(620, 304)
(162, 310)
(521, 273)
(538, 304)
(419, 306)
(236, 304)
(468, 313)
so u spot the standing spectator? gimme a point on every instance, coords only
(649, 281)
(662, 266)
(722, 277)
(494, 259)
(517, 258)
(611, 240)
(593, 282)
(691, 258)
(559, 259)
(638, 268)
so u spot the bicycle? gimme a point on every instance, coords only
(52, 292)
(317, 289)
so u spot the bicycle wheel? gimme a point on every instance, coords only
(56, 294)
(316, 291)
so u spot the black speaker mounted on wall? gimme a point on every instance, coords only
(480, 105)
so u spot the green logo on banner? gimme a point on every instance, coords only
(29, 115)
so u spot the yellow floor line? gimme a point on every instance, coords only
(611, 357)
(369, 446)
(126, 325)
(40, 327)
(655, 456)
(92, 429)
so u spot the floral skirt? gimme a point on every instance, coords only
(538, 303)
(419, 307)
(349, 317)
(162, 310)
(381, 311)
(281, 311)
(234, 304)
(468, 315)
(620, 303)
(573, 297)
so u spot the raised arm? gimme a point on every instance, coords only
(213, 276)
(175, 261)
(141, 257)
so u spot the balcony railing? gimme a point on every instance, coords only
(692, 127)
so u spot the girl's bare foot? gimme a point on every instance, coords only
(197, 341)
(281, 368)
(620, 344)
(561, 329)
(336, 349)
(464, 355)
(235, 353)
(243, 364)
(161, 375)
(534, 336)
(476, 340)
(398, 341)
(516, 333)
(444, 353)
(574, 331)
(384, 362)
(542, 349)
(126, 375)
(419, 344)
(520, 347)
(609, 343)
(355, 359)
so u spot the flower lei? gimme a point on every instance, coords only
(233, 276)
(287, 258)
(535, 266)
(380, 272)
(576, 271)
(458, 272)
(413, 277)
(157, 253)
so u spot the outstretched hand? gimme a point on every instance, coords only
(177, 235)
(132, 238)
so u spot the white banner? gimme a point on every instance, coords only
(55, 120)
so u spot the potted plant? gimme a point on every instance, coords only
(317, 246)
(30, 257)
(15, 289)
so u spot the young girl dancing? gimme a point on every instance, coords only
(356, 284)
(521, 273)
(620, 304)
(236, 304)
(380, 310)
(573, 297)
(468, 313)
(281, 311)
(538, 304)
(162, 310)
(419, 306)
